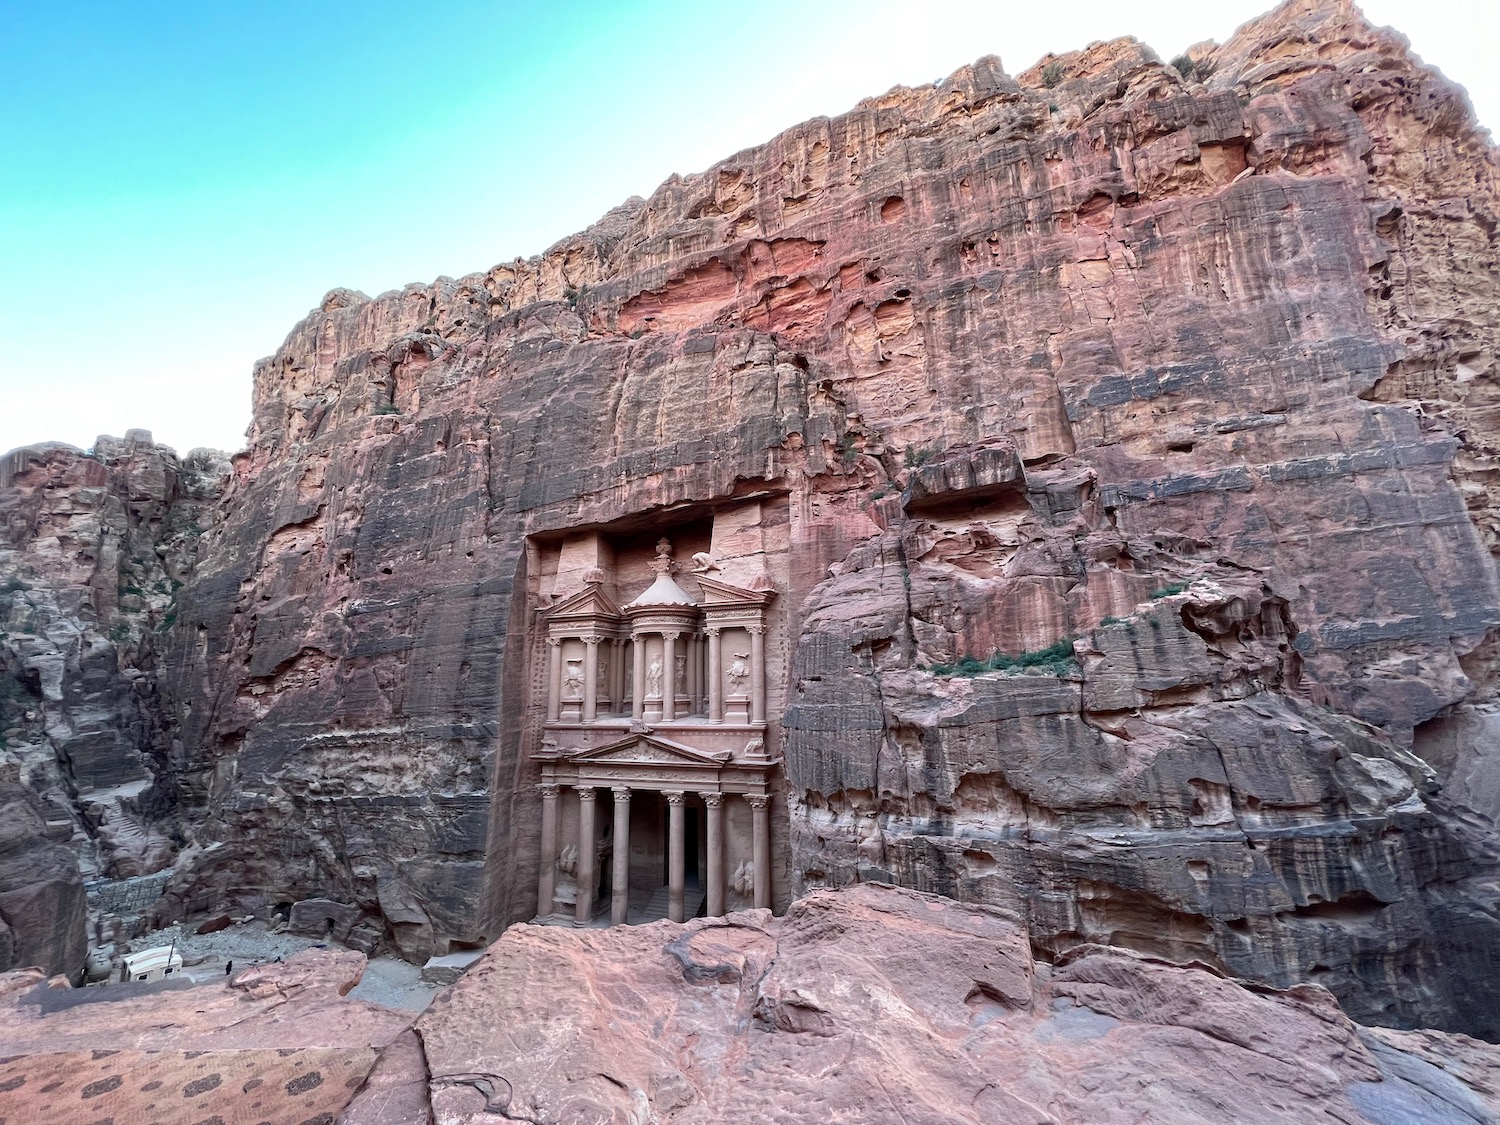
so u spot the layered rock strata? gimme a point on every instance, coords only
(1123, 428)
(94, 547)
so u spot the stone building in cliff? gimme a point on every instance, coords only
(653, 689)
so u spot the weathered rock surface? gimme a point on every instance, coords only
(93, 549)
(881, 1005)
(42, 908)
(1165, 393)
(277, 1043)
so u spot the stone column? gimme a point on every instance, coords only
(588, 853)
(669, 678)
(546, 882)
(692, 673)
(714, 802)
(761, 849)
(591, 678)
(554, 682)
(619, 892)
(677, 855)
(715, 678)
(638, 683)
(757, 673)
(617, 677)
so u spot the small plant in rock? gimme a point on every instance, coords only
(387, 408)
(1052, 74)
(848, 451)
(1168, 591)
(1185, 67)
(1056, 659)
(917, 456)
(13, 586)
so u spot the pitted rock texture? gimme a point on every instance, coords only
(1161, 393)
(276, 1043)
(881, 1005)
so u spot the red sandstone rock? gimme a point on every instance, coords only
(878, 1005)
(278, 1043)
(1167, 398)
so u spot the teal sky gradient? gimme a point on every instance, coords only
(183, 182)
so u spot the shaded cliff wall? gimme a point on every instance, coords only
(95, 546)
(1122, 365)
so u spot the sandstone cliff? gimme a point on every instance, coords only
(95, 547)
(1133, 429)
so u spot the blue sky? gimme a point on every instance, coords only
(183, 182)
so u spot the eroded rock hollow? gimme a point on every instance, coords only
(1094, 467)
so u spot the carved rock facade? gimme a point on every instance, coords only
(1117, 443)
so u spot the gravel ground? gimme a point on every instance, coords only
(387, 980)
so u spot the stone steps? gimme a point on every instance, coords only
(655, 908)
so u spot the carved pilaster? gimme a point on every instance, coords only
(554, 678)
(757, 673)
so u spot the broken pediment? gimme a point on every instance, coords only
(590, 603)
(645, 749)
(718, 594)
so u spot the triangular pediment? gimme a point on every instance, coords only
(591, 601)
(647, 749)
(717, 592)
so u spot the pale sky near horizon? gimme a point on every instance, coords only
(186, 181)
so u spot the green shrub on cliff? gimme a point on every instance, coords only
(1056, 659)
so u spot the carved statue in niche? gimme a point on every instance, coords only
(738, 674)
(871, 845)
(743, 879)
(653, 678)
(566, 888)
(680, 676)
(601, 680)
(573, 680)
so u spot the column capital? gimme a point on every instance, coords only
(547, 789)
(712, 631)
(758, 800)
(622, 794)
(555, 641)
(757, 630)
(592, 639)
(670, 634)
(712, 800)
(586, 792)
(673, 796)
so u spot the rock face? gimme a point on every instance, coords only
(42, 909)
(93, 549)
(276, 1043)
(882, 1005)
(1127, 431)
